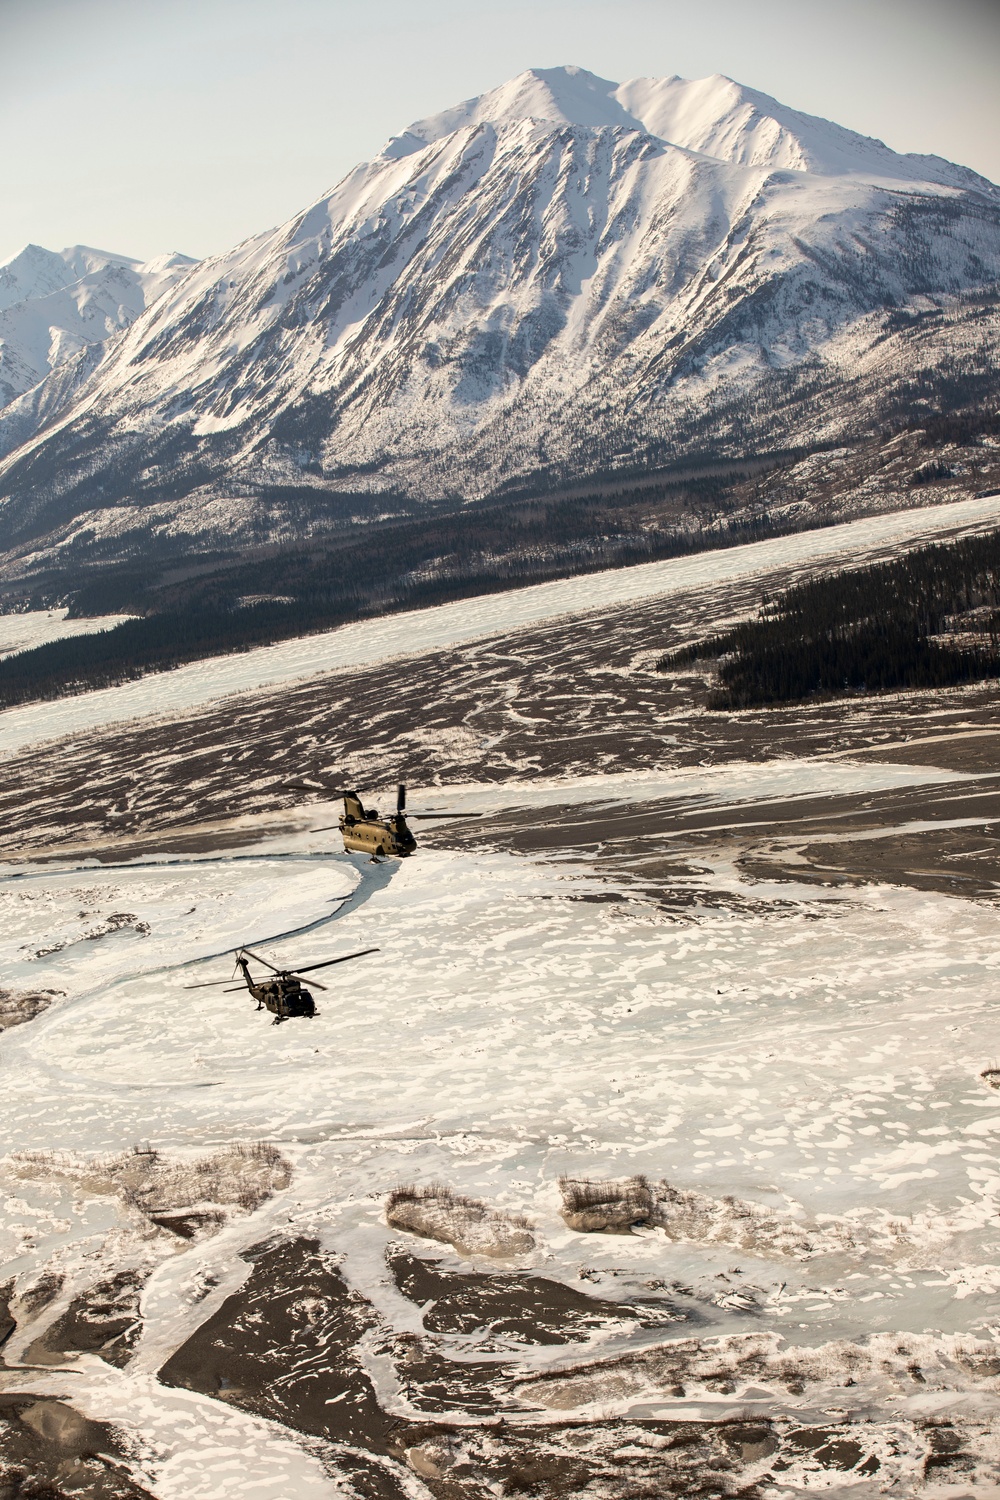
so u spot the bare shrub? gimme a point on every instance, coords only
(236, 1176)
(615, 1206)
(470, 1226)
(16, 1010)
(609, 1207)
(688, 1215)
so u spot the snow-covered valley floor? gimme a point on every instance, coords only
(814, 1052)
(733, 978)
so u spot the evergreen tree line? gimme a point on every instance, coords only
(371, 563)
(867, 630)
(960, 428)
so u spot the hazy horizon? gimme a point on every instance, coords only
(142, 129)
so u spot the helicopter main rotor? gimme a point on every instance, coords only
(401, 812)
(288, 974)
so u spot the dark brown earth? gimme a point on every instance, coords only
(7, 1322)
(104, 1320)
(16, 1009)
(524, 1309)
(48, 1451)
(42, 1292)
(662, 846)
(286, 1347)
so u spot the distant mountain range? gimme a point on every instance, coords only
(54, 305)
(563, 280)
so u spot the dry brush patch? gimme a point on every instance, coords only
(612, 1206)
(17, 1009)
(469, 1225)
(187, 1196)
(616, 1460)
(688, 1215)
(619, 1205)
(886, 1365)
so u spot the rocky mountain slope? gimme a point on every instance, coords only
(563, 278)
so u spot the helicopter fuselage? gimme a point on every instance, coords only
(284, 996)
(364, 830)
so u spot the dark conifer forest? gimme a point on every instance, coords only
(928, 619)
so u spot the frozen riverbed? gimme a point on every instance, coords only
(447, 625)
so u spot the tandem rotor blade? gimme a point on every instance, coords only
(445, 815)
(328, 961)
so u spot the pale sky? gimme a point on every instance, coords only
(143, 126)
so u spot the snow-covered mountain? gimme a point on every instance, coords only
(54, 305)
(714, 116)
(564, 276)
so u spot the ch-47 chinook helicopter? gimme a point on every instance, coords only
(364, 830)
(284, 995)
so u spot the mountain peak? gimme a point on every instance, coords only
(715, 116)
(565, 96)
(54, 303)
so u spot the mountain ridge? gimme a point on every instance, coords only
(714, 116)
(514, 301)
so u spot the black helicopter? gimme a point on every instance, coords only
(284, 995)
(365, 830)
